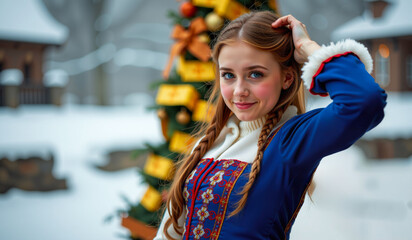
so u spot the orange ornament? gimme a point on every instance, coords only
(187, 9)
(188, 39)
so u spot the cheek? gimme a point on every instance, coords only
(266, 90)
(226, 91)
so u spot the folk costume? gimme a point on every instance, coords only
(293, 152)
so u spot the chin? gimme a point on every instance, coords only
(243, 117)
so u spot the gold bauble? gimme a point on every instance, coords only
(161, 113)
(214, 22)
(183, 117)
(204, 38)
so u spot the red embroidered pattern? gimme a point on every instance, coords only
(206, 192)
(224, 200)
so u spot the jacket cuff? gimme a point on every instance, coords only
(315, 63)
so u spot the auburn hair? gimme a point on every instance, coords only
(254, 29)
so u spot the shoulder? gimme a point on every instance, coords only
(298, 121)
(290, 127)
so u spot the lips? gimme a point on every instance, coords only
(243, 106)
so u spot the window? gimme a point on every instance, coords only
(27, 72)
(382, 65)
(409, 70)
(28, 67)
(1, 60)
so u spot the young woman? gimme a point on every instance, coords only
(247, 176)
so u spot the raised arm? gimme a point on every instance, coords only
(341, 71)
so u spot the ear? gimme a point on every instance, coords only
(288, 79)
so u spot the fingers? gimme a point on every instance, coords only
(286, 21)
(282, 21)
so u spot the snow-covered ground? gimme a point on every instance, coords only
(79, 137)
(354, 199)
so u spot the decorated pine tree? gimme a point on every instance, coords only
(181, 99)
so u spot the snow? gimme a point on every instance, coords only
(358, 200)
(79, 137)
(29, 21)
(56, 78)
(396, 21)
(121, 58)
(395, 124)
(11, 77)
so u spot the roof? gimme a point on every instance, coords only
(29, 21)
(396, 21)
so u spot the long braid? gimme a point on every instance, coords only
(272, 119)
(186, 166)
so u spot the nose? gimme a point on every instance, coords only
(241, 89)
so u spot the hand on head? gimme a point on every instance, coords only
(304, 46)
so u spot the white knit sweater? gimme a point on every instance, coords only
(238, 139)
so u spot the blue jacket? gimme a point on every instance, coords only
(289, 161)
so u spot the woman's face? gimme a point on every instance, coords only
(250, 80)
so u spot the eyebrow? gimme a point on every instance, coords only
(247, 68)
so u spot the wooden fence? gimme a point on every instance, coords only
(27, 94)
(2, 96)
(34, 94)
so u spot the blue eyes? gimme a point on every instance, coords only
(228, 75)
(256, 75)
(252, 75)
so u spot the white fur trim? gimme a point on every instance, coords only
(315, 60)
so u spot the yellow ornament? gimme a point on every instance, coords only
(177, 95)
(205, 3)
(160, 167)
(195, 71)
(152, 199)
(181, 142)
(230, 9)
(203, 112)
(214, 22)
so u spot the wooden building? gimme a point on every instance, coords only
(26, 29)
(386, 30)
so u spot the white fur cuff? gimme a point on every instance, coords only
(315, 60)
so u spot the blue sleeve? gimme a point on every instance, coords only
(357, 107)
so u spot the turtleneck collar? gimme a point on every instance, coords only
(247, 127)
(238, 139)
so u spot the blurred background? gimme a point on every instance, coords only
(76, 84)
